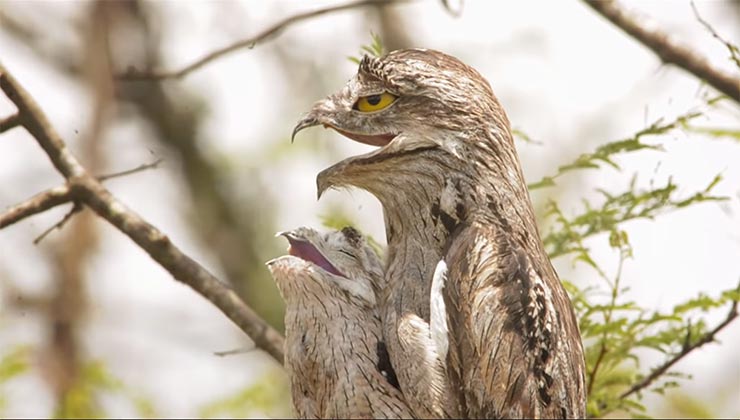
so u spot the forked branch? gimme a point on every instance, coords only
(83, 188)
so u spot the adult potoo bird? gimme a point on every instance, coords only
(457, 212)
(334, 355)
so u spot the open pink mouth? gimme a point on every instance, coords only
(379, 140)
(307, 252)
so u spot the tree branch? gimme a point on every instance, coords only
(85, 188)
(57, 196)
(668, 50)
(39, 203)
(140, 168)
(9, 123)
(687, 348)
(133, 75)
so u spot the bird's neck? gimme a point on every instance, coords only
(424, 204)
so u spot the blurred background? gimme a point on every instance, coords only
(90, 325)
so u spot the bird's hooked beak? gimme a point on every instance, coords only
(309, 120)
(321, 113)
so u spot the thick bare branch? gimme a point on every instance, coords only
(250, 42)
(669, 50)
(688, 347)
(86, 189)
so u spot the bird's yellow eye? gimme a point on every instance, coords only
(374, 102)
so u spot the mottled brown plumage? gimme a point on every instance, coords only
(334, 352)
(455, 201)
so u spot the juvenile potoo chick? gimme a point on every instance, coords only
(334, 353)
(458, 215)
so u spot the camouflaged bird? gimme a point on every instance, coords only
(334, 355)
(458, 217)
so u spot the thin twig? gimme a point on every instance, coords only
(88, 190)
(456, 12)
(76, 208)
(687, 348)
(732, 48)
(9, 123)
(140, 168)
(607, 319)
(233, 351)
(249, 43)
(668, 50)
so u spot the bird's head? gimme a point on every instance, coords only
(337, 264)
(406, 102)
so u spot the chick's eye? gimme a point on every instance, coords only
(374, 102)
(347, 253)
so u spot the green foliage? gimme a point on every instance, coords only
(522, 136)
(374, 49)
(567, 234)
(268, 397)
(716, 132)
(81, 401)
(605, 154)
(614, 332)
(12, 365)
(615, 329)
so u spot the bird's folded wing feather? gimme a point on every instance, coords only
(500, 321)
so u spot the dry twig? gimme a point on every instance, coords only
(76, 208)
(132, 74)
(670, 51)
(734, 52)
(82, 187)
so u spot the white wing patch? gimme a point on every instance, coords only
(438, 328)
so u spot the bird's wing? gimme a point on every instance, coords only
(500, 318)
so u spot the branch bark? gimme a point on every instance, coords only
(249, 43)
(669, 50)
(9, 123)
(39, 203)
(57, 196)
(85, 188)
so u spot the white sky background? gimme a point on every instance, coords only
(567, 77)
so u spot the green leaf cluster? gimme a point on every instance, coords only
(374, 49)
